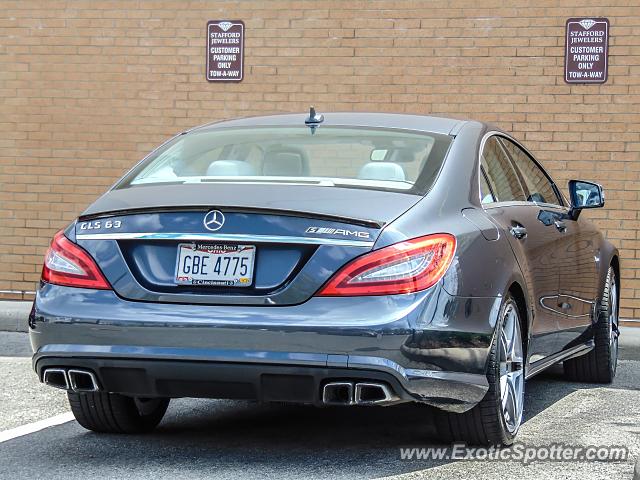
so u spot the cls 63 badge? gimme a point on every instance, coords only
(97, 224)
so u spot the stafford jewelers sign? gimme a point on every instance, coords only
(586, 50)
(225, 50)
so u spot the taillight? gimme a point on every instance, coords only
(403, 267)
(68, 264)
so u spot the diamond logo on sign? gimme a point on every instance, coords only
(225, 51)
(587, 23)
(586, 57)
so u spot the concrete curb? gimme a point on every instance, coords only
(14, 315)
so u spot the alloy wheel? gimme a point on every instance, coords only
(613, 322)
(511, 369)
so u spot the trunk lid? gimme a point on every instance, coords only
(302, 235)
(375, 206)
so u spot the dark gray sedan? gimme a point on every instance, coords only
(350, 259)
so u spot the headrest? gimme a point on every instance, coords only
(285, 164)
(381, 171)
(230, 168)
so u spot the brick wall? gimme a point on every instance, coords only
(87, 87)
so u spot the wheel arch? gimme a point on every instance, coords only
(615, 263)
(609, 257)
(517, 292)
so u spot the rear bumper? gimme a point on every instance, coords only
(429, 347)
(173, 379)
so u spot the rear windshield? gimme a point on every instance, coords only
(373, 158)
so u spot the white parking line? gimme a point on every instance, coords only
(35, 426)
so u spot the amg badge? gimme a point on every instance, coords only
(338, 231)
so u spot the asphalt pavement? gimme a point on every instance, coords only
(228, 439)
(14, 315)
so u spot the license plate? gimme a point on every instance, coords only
(219, 265)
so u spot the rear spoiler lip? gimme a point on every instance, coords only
(266, 211)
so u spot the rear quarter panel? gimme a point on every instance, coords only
(480, 268)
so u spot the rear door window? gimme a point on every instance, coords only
(539, 186)
(501, 176)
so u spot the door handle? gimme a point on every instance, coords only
(560, 226)
(518, 231)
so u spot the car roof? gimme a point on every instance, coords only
(442, 125)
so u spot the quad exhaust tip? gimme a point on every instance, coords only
(82, 381)
(72, 379)
(360, 393)
(56, 377)
(373, 394)
(338, 393)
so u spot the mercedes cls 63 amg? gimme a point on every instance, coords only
(346, 259)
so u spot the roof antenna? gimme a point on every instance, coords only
(314, 119)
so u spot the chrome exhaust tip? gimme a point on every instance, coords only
(374, 394)
(82, 381)
(56, 377)
(338, 393)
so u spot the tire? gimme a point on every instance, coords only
(599, 365)
(488, 423)
(114, 413)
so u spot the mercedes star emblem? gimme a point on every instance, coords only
(214, 220)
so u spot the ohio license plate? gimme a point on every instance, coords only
(219, 264)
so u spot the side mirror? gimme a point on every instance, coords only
(584, 195)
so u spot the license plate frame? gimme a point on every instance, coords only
(214, 252)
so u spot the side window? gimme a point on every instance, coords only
(485, 190)
(501, 176)
(540, 187)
